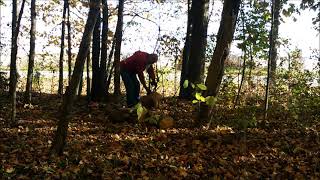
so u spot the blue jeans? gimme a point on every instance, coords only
(132, 86)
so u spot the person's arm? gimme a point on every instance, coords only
(152, 75)
(143, 82)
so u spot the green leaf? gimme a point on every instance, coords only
(198, 96)
(141, 111)
(202, 87)
(192, 85)
(185, 83)
(211, 100)
(195, 101)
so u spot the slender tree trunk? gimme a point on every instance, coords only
(221, 52)
(275, 33)
(61, 133)
(32, 52)
(13, 63)
(117, 51)
(13, 69)
(69, 43)
(110, 76)
(186, 54)
(244, 65)
(96, 59)
(80, 85)
(60, 87)
(104, 49)
(88, 78)
(110, 69)
(200, 12)
(250, 67)
(271, 55)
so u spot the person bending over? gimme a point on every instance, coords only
(133, 66)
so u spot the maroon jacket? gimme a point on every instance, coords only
(137, 63)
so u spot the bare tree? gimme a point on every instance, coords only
(63, 24)
(69, 43)
(117, 51)
(96, 48)
(32, 52)
(272, 54)
(186, 54)
(224, 38)
(275, 32)
(200, 12)
(13, 63)
(104, 48)
(61, 133)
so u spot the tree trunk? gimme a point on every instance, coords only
(104, 48)
(275, 33)
(96, 59)
(244, 65)
(61, 133)
(80, 85)
(32, 52)
(271, 56)
(186, 54)
(13, 63)
(13, 69)
(117, 51)
(88, 78)
(109, 67)
(60, 87)
(200, 12)
(69, 43)
(221, 52)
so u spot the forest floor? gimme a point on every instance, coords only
(284, 147)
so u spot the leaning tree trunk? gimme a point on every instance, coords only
(60, 86)
(117, 51)
(32, 52)
(104, 48)
(200, 14)
(186, 54)
(69, 43)
(61, 133)
(13, 63)
(95, 60)
(275, 32)
(221, 52)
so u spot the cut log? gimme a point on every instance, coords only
(151, 100)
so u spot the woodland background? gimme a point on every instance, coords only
(235, 98)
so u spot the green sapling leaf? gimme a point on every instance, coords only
(185, 83)
(202, 87)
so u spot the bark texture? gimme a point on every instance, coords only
(117, 51)
(222, 49)
(61, 133)
(31, 53)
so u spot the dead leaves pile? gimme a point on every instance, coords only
(99, 149)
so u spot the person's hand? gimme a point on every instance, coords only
(154, 83)
(148, 91)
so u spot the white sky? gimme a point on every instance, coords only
(143, 36)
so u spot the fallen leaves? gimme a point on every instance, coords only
(100, 149)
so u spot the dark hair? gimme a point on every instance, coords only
(152, 58)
